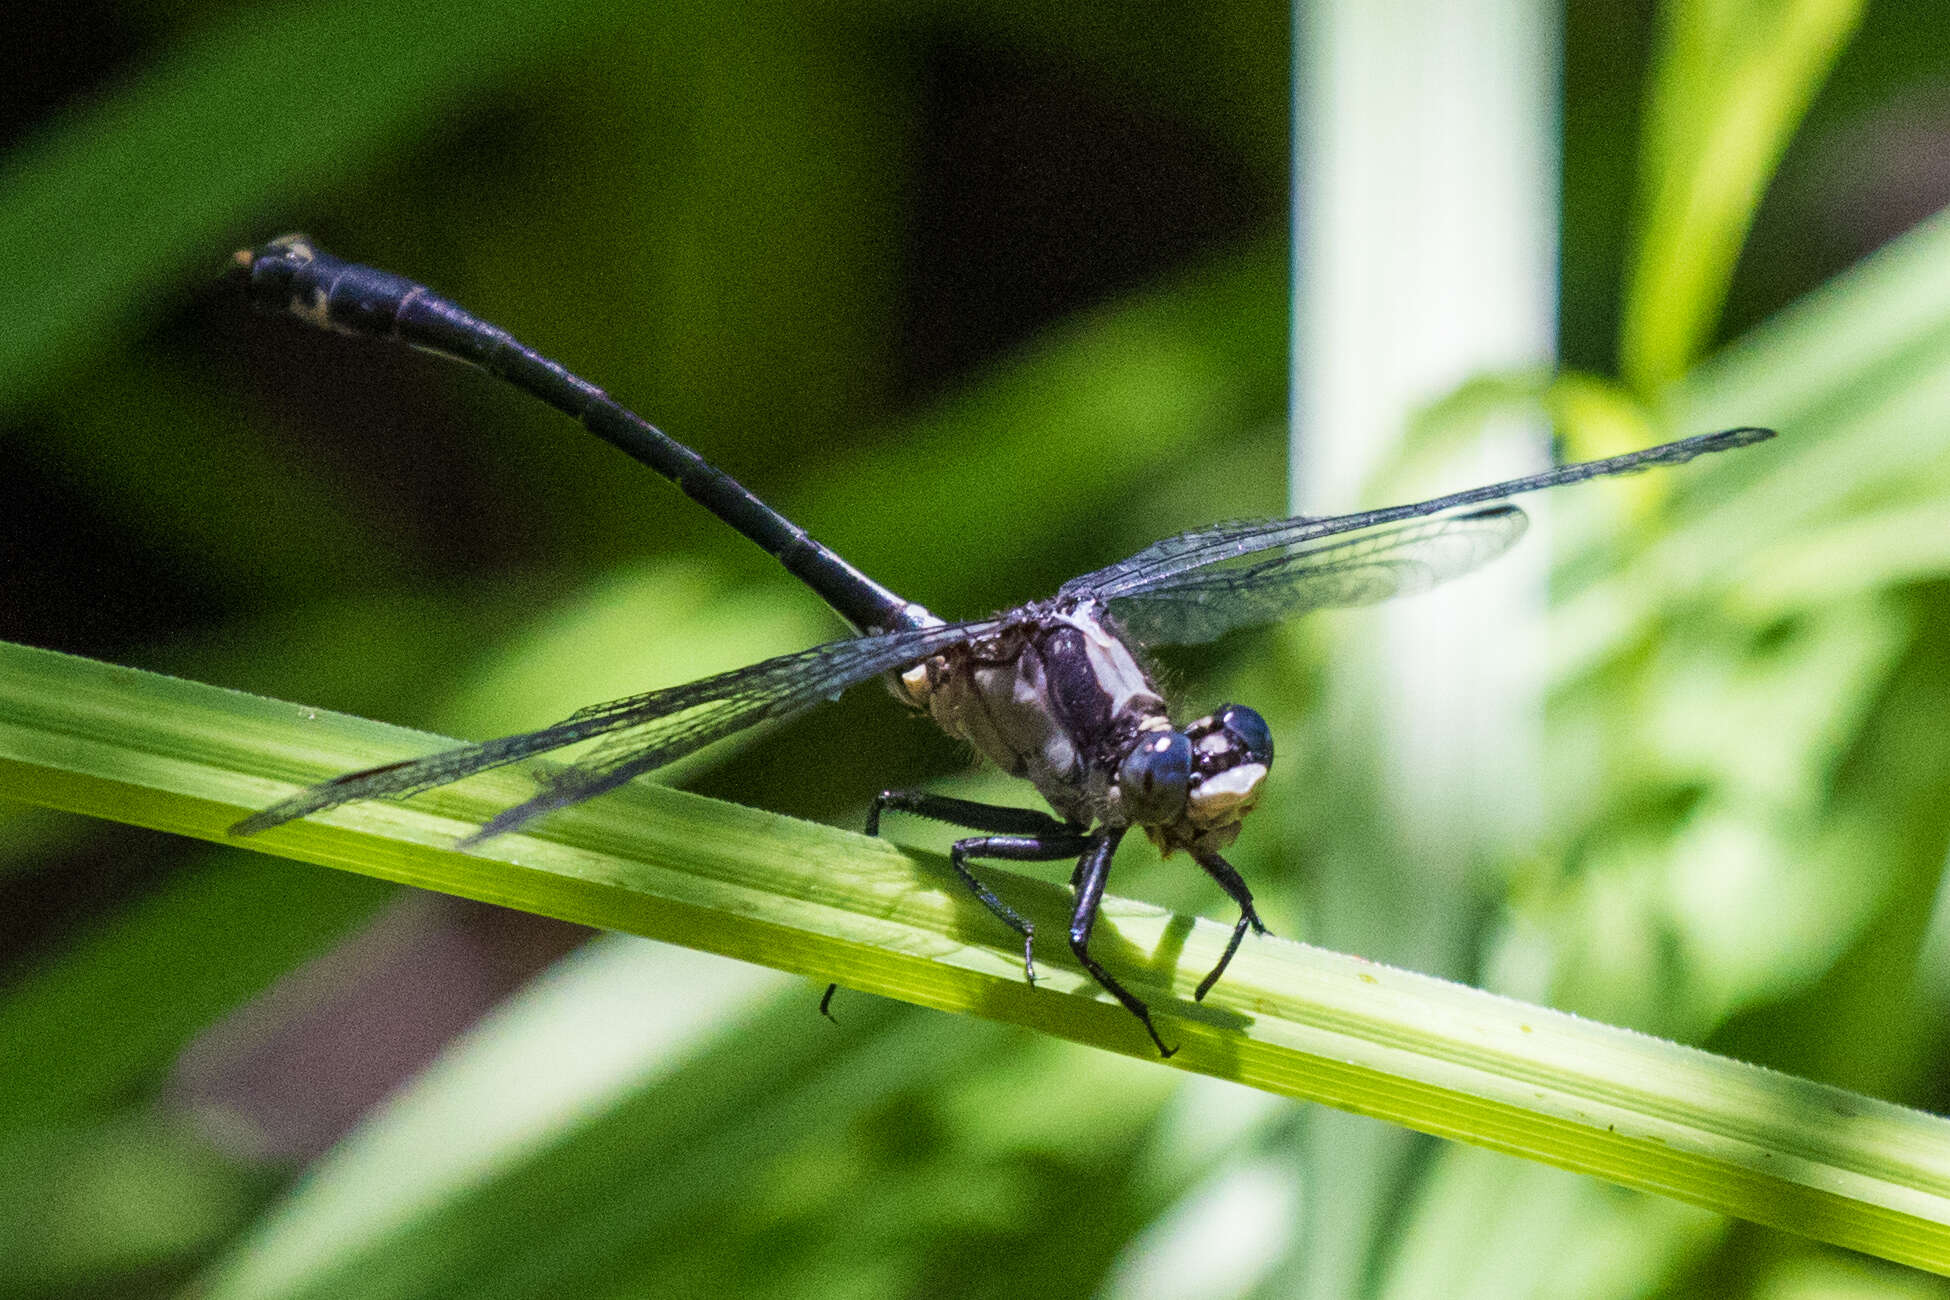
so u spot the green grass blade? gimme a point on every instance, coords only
(1438, 1057)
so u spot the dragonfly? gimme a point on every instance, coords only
(1056, 691)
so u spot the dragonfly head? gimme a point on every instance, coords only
(1190, 788)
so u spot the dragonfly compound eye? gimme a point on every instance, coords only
(1246, 727)
(1155, 778)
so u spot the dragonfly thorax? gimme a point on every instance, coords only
(1058, 698)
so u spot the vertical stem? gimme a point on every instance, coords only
(1425, 218)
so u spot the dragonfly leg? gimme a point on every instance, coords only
(1229, 880)
(1092, 871)
(1013, 848)
(967, 813)
(1021, 835)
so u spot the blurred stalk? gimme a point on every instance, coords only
(1732, 83)
(1425, 252)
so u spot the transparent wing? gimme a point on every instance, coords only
(1160, 563)
(1360, 569)
(639, 734)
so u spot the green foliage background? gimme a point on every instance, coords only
(237, 1075)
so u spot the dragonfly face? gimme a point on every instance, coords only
(1226, 756)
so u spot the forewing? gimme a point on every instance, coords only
(638, 734)
(1354, 569)
(1161, 564)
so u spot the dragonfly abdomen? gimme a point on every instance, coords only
(291, 276)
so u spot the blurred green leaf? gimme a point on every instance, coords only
(1137, 388)
(1732, 83)
(96, 1025)
(85, 1206)
(587, 1129)
(197, 484)
(260, 104)
(1856, 378)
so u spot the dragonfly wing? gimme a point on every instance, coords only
(638, 734)
(1353, 569)
(1163, 563)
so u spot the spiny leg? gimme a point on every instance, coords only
(1235, 886)
(1092, 871)
(1022, 835)
(1017, 829)
(997, 818)
(1013, 848)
